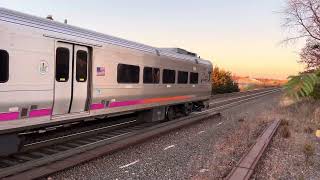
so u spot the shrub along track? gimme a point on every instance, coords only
(45, 157)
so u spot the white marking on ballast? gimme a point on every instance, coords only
(220, 123)
(168, 147)
(130, 164)
(204, 170)
(201, 132)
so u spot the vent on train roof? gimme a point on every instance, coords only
(181, 51)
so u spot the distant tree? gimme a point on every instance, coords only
(310, 55)
(303, 18)
(222, 82)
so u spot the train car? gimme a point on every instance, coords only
(53, 73)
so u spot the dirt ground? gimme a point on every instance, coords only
(295, 151)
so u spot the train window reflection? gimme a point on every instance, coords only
(128, 73)
(82, 66)
(62, 64)
(4, 66)
(182, 77)
(194, 78)
(169, 76)
(151, 75)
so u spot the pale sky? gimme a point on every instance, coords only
(242, 36)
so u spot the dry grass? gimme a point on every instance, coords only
(308, 130)
(294, 144)
(284, 122)
(309, 151)
(285, 132)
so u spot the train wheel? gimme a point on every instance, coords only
(196, 107)
(187, 109)
(170, 113)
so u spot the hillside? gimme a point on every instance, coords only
(248, 83)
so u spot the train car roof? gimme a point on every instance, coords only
(67, 30)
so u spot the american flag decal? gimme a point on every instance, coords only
(101, 71)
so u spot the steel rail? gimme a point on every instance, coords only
(77, 134)
(242, 100)
(217, 102)
(218, 96)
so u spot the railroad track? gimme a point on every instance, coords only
(45, 157)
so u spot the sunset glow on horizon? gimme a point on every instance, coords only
(243, 37)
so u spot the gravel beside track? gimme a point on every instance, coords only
(285, 158)
(207, 150)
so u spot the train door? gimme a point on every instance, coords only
(71, 79)
(80, 79)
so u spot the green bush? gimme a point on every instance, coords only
(316, 92)
(304, 85)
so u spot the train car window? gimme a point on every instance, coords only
(147, 75)
(128, 73)
(194, 78)
(82, 66)
(169, 76)
(151, 75)
(62, 64)
(4, 66)
(182, 77)
(156, 75)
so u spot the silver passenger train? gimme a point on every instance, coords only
(52, 73)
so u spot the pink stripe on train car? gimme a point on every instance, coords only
(97, 106)
(9, 116)
(40, 112)
(125, 103)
